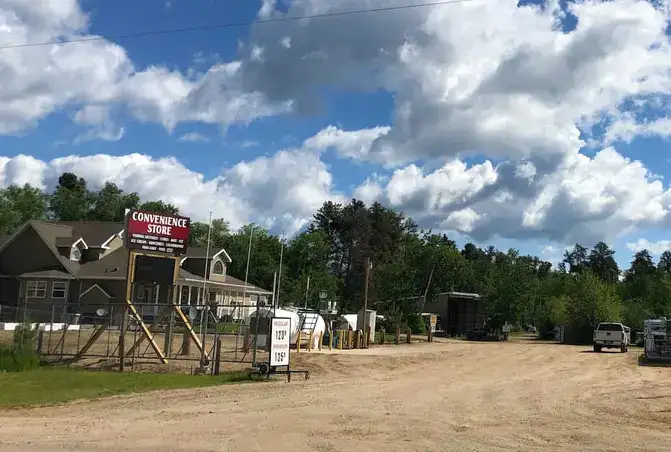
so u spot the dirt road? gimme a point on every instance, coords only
(449, 396)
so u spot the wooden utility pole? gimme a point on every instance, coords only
(365, 303)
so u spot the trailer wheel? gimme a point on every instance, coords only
(597, 348)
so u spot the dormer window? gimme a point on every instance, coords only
(218, 268)
(75, 254)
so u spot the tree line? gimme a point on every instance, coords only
(407, 262)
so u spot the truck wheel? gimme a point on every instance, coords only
(597, 348)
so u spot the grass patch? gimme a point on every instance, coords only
(49, 386)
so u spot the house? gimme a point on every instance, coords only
(51, 270)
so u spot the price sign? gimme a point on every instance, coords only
(433, 320)
(280, 339)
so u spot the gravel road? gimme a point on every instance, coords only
(445, 396)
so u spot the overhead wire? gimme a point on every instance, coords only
(168, 31)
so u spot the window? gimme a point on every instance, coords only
(36, 289)
(218, 268)
(184, 297)
(610, 327)
(139, 294)
(75, 254)
(59, 289)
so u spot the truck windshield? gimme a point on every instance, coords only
(610, 327)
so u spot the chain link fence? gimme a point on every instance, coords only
(146, 332)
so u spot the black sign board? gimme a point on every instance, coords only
(154, 270)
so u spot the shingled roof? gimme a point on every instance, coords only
(94, 233)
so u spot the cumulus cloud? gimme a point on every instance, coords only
(38, 81)
(194, 137)
(492, 103)
(482, 78)
(281, 192)
(655, 248)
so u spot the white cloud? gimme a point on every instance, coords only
(38, 81)
(352, 144)
(480, 77)
(100, 126)
(655, 248)
(506, 84)
(280, 192)
(194, 137)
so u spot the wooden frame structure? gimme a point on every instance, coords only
(148, 332)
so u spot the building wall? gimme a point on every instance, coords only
(113, 245)
(47, 309)
(195, 266)
(27, 253)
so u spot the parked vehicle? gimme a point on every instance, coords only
(612, 335)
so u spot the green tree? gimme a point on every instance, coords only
(602, 263)
(589, 302)
(71, 201)
(110, 203)
(160, 207)
(19, 205)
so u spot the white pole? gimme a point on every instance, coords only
(205, 315)
(249, 256)
(279, 277)
(307, 289)
(274, 284)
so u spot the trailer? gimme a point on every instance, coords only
(657, 344)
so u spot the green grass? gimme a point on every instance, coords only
(49, 386)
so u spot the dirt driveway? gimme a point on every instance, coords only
(448, 396)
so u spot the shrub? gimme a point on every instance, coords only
(13, 359)
(416, 323)
(21, 355)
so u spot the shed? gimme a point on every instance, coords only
(460, 312)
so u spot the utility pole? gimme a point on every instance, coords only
(307, 290)
(365, 303)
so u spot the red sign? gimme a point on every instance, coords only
(157, 232)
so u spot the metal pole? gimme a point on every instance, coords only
(279, 276)
(203, 325)
(307, 289)
(274, 284)
(249, 256)
(365, 302)
(244, 295)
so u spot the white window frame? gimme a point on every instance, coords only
(140, 292)
(214, 266)
(33, 289)
(64, 290)
(72, 251)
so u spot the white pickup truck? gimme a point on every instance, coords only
(612, 335)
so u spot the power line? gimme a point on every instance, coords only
(235, 24)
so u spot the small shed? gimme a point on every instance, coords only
(460, 312)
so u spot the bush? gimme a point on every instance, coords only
(16, 359)
(416, 323)
(21, 355)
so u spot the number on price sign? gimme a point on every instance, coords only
(280, 338)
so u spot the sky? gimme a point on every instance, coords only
(525, 125)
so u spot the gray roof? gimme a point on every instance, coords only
(112, 266)
(229, 282)
(197, 252)
(94, 233)
(47, 274)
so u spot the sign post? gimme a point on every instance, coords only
(280, 341)
(155, 242)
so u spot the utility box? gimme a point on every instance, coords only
(367, 321)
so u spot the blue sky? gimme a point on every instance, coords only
(422, 56)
